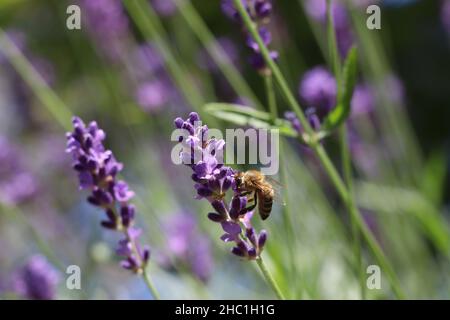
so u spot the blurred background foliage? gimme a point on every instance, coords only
(402, 181)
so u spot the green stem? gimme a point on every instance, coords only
(270, 280)
(149, 282)
(287, 220)
(215, 50)
(287, 94)
(332, 43)
(354, 211)
(34, 80)
(345, 154)
(136, 253)
(271, 99)
(347, 169)
(321, 153)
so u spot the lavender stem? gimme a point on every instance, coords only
(149, 282)
(270, 280)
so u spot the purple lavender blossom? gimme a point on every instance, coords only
(364, 95)
(212, 181)
(37, 280)
(445, 15)
(188, 245)
(260, 12)
(295, 122)
(155, 89)
(17, 184)
(363, 100)
(107, 24)
(311, 116)
(318, 90)
(97, 171)
(317, 10)
(152, 95)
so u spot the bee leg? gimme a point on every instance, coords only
(247, 193)
(253, 206)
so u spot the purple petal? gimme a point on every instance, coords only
(262, 239)
(215, 217)
(219, 206)
(232, 228)
(227, 238)
(237, 251)
(178, 123)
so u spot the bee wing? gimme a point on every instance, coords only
(274, 182)
(277, 186)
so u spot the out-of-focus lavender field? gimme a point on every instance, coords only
(87, 180)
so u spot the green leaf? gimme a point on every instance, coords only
(345, 92)
(245, 116)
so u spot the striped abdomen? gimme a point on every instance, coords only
(265, 202)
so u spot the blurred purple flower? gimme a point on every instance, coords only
(107, 24)
(154, 89)
(259, 11)
(188, 245)
(97, 170)
(212, 181)
(363, 100)
(364, 96)
(317, 10)
(37, 280)
(318, 90)
(295, 122)
(445, 15)
(153, 95)
(16, 183)
(311, 116)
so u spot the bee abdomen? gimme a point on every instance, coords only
(265, 206)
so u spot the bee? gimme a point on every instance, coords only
(254, 183)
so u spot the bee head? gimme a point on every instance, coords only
(239, 179)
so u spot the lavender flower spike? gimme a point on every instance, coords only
(188, 246)
(37, 280)
(213, 181)
(318, 90)
(108, 26)
(260, 12)
(97, 171)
